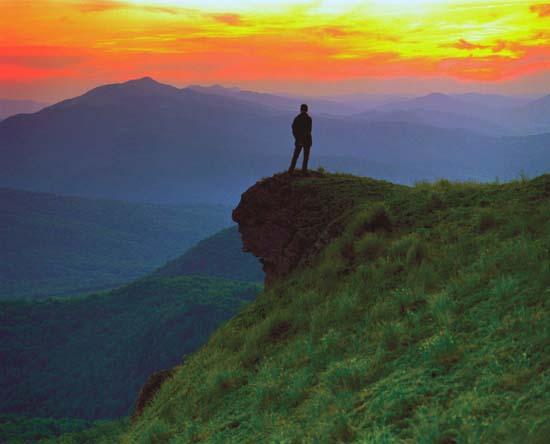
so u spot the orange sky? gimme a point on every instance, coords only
(51, 49)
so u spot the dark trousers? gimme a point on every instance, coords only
(297, 150)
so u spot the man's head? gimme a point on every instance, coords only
(303, 108)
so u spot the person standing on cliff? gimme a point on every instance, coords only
(301, 129)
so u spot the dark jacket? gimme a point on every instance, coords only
(301, 129)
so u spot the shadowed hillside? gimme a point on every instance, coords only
(420, 315)
(70, 364)
(88, 357)
(54, 245)
(219, 255)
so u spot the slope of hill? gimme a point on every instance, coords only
(539, 110)
(535, 115)
(220, 255)
(436, 102)
(288, 103)
(87, 357)
(144, 141)
(488, 114)
(417, 314)
(12, 107)
(57, 244)
(439, 119)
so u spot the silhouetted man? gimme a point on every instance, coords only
(301, 129)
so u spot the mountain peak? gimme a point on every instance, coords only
(143, 81)
(436, 97)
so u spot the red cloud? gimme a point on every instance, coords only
(541, 10)
(336, 31)
(464, 44)
(108, 5)
(101, 5)
(496, 47)
(228, 19)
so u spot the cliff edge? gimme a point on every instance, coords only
(286, 219)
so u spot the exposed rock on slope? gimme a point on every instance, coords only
(150, 389)
(285, 219)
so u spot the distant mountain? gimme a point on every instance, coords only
(539, 109)
(142, 141)
(494, 101)
(219, 255)
(535, 114)
(439, 119)
(53, 245)
(145, 141)
(288, 103)
(435, 102)
(11, 107)
(489, 114)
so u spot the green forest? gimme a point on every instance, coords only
(88, 357)
(58, 245)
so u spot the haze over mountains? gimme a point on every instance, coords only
(11, 107)
(145, 141)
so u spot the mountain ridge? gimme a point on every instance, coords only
(61, 245)
(145, 141)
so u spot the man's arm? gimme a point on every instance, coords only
(309, 124)
(294, 127)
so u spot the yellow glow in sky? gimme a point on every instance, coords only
(273, 43)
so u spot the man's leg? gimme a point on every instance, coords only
(306, 157)
(295, 156)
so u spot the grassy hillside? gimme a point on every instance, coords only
(220, 255)
(88, 357)
(52, 245)
(433, 329)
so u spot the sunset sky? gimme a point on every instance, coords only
(52, 49)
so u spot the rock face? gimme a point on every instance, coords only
(284, 220)
(150, 389)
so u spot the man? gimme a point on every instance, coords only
(301, 129)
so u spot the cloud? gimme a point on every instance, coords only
(498, 46)
(336, 31)
(228, 19)
(47, 62)
(41, 57)
(100, 5)
(541, 10)
(91, 6)
(464, 44)
(162, 9)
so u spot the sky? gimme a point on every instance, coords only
(53, 49)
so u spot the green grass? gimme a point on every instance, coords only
(432, 329)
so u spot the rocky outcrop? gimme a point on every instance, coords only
(150, 389)
(284, 220)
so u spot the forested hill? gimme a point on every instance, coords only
(219, 255)
(55, 245)
(69, 361)
(87, 358)
(391, 314)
